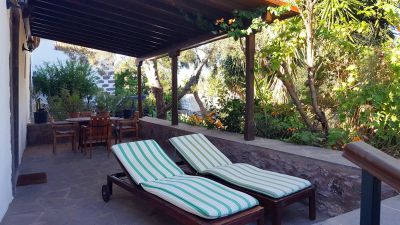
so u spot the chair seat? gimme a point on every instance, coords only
(269, 183)
(200, 196)
(126, 127)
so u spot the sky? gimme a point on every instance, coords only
(46, 53)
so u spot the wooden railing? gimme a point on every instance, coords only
(376, 167)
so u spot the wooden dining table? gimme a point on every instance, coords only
(84, 121)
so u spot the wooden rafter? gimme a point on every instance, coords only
(138, 28)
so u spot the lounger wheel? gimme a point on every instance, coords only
(105, 193)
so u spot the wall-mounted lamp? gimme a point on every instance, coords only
(31, 44)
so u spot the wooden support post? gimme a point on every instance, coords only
(139, 90)
(370, 199)
(174, 67)
(249, 128)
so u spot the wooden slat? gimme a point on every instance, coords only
(115, 14)
(82, 27)
(90, 36)
(95, 24)
(93, 17)
(87, 38)
(224, 6)
(147, 12)
(195, 7)
(375, 162)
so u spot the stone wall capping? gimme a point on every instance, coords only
(317, 153)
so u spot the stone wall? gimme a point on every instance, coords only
(41, 134)
(338, 181)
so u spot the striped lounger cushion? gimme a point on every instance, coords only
(149, 166)
(200, 196)
(202, 155)
(269, 183)
(199, 152)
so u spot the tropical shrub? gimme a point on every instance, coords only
(75, 76)
(64, 103)
(277, 121)
(232, 115)
(306, 138)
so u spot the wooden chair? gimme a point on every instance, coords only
(97, 132)
(127, 126)
(64, 130)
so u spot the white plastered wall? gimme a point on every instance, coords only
(5, 126)
(5, 114)
(24, 92)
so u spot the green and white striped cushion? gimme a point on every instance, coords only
(146, 161)
(269, 183)
(200, 196)
(199, 152)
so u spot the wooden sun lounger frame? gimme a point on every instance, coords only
(255, 214)
(274, 205)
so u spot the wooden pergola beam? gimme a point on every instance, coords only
(83, 43)
(174, 69)
(139, 88)
(189, 44)
(249, 126)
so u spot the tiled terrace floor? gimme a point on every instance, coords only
(72, 194)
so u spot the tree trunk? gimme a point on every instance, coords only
(308, 18)
(158, 92)
(193, 81)
(200, 103)
(287, 82)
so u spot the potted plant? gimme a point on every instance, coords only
(73, 103)
(40, 116)
(102, 104)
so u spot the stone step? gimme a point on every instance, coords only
(390, 214)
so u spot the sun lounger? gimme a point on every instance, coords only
(152, 176)
(273, 190)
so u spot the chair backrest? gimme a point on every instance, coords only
(100, 127)
(145, 161)
(62, 127)
(135, 121)
(136, 114)
(103, 113)
(199, 152)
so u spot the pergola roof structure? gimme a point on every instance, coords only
(145, 29)
(136, 28)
